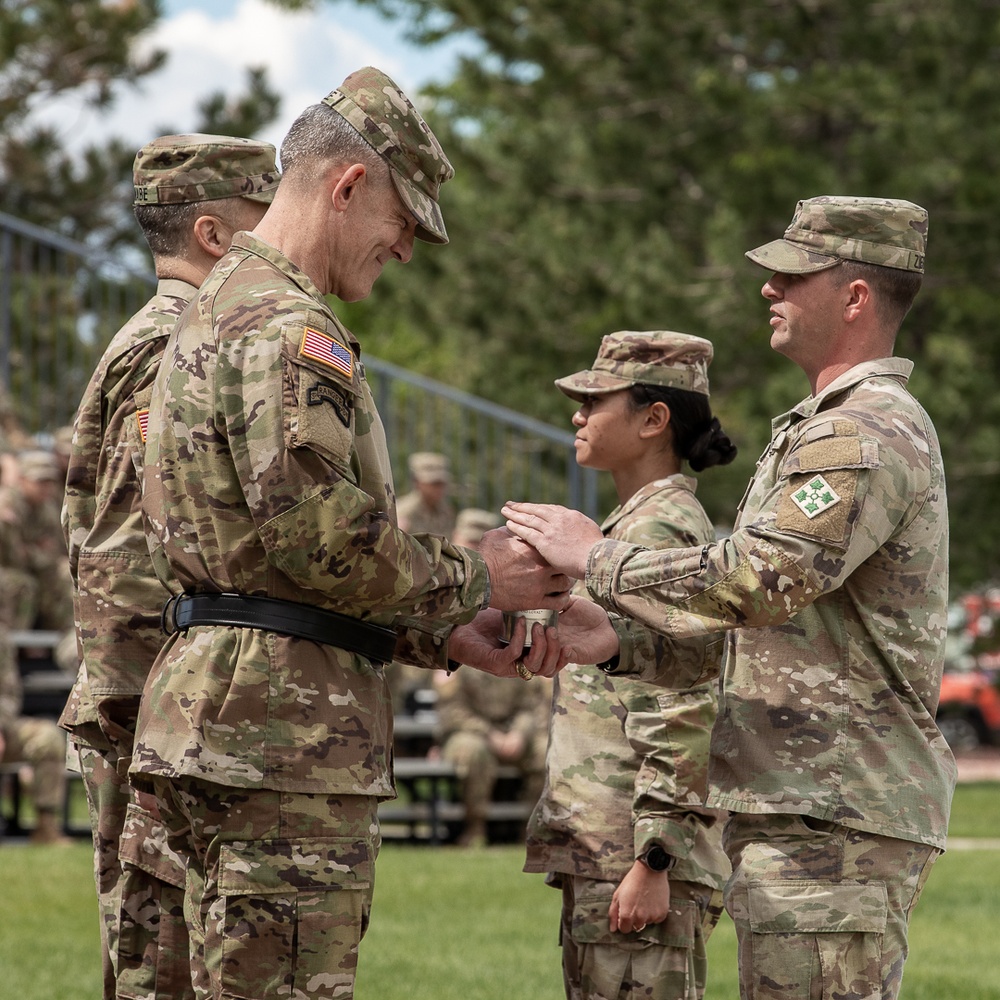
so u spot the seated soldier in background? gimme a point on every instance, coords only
(427, 507)
(36, 742)
(485, 722)
(30, 597)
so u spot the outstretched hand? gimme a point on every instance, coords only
(562, 537)
(478, 644)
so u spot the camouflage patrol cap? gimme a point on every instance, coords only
(655, 357)
(826, 230)
(472, 523)
(429, 467)
(391, 125)
(182, 169)
(39, 466)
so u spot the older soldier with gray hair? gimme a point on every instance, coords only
(265, 727)
(833, 587)
(192, 194)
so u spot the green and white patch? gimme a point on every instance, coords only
(815, 497)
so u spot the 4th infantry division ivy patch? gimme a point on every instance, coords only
(816, 496)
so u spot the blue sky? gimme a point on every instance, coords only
(210, 45)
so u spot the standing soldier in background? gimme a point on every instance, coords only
(427, 507)
(834, 589)
(192, 194)
(265, 726)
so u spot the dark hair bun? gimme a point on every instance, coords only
(711, 447)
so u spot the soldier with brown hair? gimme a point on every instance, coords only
(192, 194)
(833, 589)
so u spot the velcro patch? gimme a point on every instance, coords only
(142, 417)
(323, 348)
(816, 496)
(339, 399)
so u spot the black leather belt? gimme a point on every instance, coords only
(376, 642)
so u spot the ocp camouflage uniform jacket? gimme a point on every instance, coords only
(838, 609)
(267, 474)
(627, 761)
(117, 595)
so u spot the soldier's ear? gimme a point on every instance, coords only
(212, 235)
(348, 186)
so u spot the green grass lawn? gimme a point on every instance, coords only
(468, 925)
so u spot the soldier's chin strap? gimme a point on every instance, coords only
(270, 614)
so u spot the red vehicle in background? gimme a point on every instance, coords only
(969, 711)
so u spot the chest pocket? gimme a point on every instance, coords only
(825, 481)
(322, 383)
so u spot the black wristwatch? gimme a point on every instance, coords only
(656, 859)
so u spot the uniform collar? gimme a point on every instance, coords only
(255, 245)
(678, 481)
(176, 288)
(897, 368)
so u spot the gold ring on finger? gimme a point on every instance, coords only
(522, 671)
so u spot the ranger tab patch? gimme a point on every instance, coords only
(323, 348)
(816, 496)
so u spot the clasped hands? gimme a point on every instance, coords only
(533, 563)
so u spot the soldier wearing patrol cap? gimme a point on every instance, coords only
(620, 827)
(833, 588)
(427, 507)
(192, 194)
(265, 726)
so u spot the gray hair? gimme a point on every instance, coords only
(320, 137)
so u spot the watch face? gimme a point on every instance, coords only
(657, 859)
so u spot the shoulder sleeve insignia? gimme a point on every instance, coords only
(142, 418)
(339, 399)
(323, 348)
(816, 496)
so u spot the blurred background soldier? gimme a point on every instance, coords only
(427, 506)
(36, 742)
(33, 593)
(485, 722)
(32, 542)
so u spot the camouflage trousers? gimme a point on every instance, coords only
(821, 911)
(279, 887)
(477, 767)
(140, 889)
(41, 744)
(661, 962)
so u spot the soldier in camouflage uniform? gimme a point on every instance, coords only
(621, 826)
(427, 507)
(265, 725)
(484, 722)
(834, 585)
(192, 194)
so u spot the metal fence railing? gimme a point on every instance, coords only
(60, 304)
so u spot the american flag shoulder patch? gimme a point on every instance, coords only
(323, 348)
(142, 416)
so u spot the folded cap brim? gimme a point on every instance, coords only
(430, 222)
(790, 258)
(265, 197)
(591, 383)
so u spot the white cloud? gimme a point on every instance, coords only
(306, 54)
